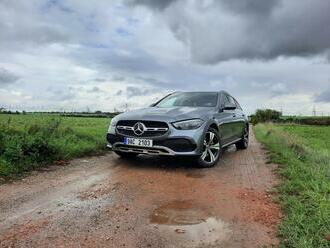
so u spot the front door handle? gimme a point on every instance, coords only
(234, 115)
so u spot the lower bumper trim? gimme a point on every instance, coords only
(155, 150)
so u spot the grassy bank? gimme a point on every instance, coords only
(30, 141)
(304, 152)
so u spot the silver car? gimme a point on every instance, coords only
(195, 124)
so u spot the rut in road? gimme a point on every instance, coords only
(150, 202)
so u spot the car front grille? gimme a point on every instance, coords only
(152, 128)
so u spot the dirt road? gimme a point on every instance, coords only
(151, 202)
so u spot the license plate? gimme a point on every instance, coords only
(138, 142)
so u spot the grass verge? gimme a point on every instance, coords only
(31, 141)
(304, 192)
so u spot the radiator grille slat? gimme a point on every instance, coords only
(153, 128)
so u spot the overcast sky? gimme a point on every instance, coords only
(101, 55)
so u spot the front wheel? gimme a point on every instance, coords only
(211, 149)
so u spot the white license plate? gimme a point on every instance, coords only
(138, 142)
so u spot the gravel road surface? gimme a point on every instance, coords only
(148, 202)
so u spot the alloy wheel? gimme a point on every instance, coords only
(211, 148)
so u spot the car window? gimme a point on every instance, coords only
(190, 99)
(237, 105)
(225, 99)
(229, 99)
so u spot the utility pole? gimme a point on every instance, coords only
(314, 111)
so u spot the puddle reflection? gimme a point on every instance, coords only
(190, 223)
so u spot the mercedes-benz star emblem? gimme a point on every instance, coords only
(139, 128)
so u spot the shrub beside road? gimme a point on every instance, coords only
(304, 192)
(33, 140)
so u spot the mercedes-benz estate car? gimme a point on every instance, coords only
(195, 124)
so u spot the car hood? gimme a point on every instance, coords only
(167, 114)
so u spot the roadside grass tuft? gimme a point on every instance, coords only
(31, 141)
(304, 192)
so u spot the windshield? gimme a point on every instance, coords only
(190, 99)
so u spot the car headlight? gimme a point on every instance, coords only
(188, 124)
(112, 126)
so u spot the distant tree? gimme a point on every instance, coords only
(265, 115)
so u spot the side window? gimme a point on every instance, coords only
(237, 105)
(231, 100)
(225, 99)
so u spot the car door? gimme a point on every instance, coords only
(238, 119)
(225, 119)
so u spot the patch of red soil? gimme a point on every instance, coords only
(23, 231)
(260, 207)
(99, 191)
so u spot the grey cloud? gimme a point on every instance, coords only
(151, 61)
(106, 58)
(156, 4)
(118, 78)
(323, 97)
(119, 93)
(239, 6)
(66, 96)
(22, 24)
(55, 94)
(95, 89)
(40, 34)
(156, 82)
(279, 89)
(99, 80)
(251, 7)
(249, 29)
(136, 91)
(7, 77)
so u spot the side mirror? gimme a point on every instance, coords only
(229, 106)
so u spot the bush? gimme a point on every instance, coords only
(25, 149)
(265, 115)
(31, 141)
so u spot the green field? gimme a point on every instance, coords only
(33, 140)
(304, 192)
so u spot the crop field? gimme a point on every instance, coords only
(33, 140)
(304, 192)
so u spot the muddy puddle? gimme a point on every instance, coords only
(190, 222)
(178, 213)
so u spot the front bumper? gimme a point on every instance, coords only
(174, 143)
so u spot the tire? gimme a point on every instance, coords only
(244, 142)
(211, 149)
(126, 155)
